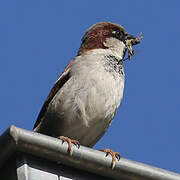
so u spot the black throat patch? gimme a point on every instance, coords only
(112, 63)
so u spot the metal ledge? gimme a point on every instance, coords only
(15, 139)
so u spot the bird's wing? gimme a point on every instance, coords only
(58, 84)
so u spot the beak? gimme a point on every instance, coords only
(133, 39)
(129, 36)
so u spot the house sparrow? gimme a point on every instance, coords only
(86, 96)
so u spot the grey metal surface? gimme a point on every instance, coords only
(33, 168)
(27, 172)
(17, 139)
(22, 170)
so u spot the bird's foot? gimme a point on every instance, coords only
(69, 141)
(115, 155)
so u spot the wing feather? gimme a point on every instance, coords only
(58, 84)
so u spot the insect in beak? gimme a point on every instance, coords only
(130, 42)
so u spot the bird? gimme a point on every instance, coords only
(84, 100)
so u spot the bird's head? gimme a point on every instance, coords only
(106, 35)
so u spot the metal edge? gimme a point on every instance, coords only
(7, 144)
(84, 158)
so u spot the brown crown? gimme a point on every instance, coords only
(96, 35)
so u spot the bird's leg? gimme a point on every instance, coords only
(115, 155)
(69, 141)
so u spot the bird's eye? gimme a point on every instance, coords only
(118, 34)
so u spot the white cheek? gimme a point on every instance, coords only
(115, 45)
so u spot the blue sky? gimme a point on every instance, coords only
(39, 37)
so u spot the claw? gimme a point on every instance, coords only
(117, 156)
(114, 155)
(69, 141)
